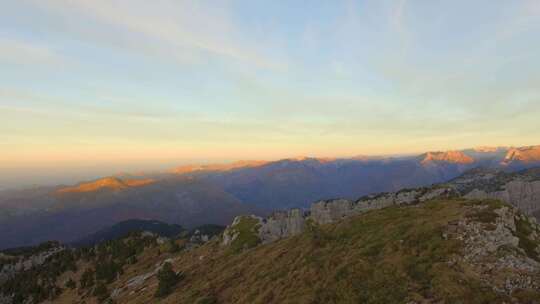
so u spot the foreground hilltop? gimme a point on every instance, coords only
(426, 245)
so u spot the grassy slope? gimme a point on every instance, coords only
(392, 255)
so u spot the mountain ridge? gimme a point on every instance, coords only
(202, 195)
(111, 182)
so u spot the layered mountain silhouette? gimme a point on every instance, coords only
(67, 214)
(214, 194)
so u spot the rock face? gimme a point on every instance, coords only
(283, 224)
(495, 250)
(522, 194)
(518, 189)
(324, 212)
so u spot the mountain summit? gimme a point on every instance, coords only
(111, 183)
(524, 154)
(454, 157)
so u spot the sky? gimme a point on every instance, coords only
(96, 86)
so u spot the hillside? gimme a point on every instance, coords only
(393, 255)
(449, 250)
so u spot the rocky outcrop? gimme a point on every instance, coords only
(136, 284)
(494, 249)
(24, 264)
(522, 194)
(198, 237)
(283, 224)
(521, 190)
(324, 212)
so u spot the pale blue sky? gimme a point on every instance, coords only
(104, 82)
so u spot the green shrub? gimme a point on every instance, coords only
(248, 234)
(71, 284)
(167, 280)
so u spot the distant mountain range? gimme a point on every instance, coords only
(213, 194)
(69, 213)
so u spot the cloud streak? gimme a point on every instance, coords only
(19, 52)
(183, 30)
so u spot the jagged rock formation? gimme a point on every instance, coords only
(522, 194)
(282, 224)
(519, 189)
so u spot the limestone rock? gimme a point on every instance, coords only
(525, 195)
(283, 224)
(324, 212)
(491, 249)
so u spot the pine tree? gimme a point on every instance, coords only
(167, 280)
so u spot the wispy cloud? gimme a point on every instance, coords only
(20, 52)
(184, 30)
